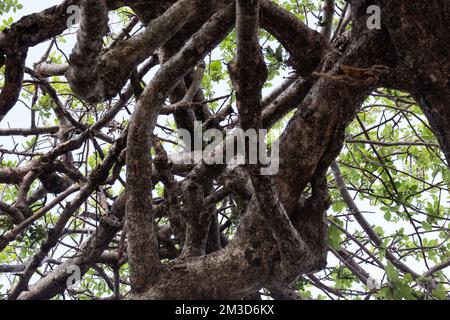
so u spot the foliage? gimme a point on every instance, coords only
(391, 164)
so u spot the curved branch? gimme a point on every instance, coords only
(142, 243)
(83, 63)
(305, 45)
(15, 68)
(115, 65)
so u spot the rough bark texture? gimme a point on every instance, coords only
(281, 230)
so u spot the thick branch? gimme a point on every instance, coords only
(15, 67)
(142, 244)
(83, 71)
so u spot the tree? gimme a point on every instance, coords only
(100, 192)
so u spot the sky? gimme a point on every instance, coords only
(20, 117)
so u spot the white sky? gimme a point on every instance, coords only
(20, 118)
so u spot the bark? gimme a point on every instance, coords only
(423, 58)
(294, 36)
(83, 66)
(281, 231)
(142, 245)
(15, 67)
